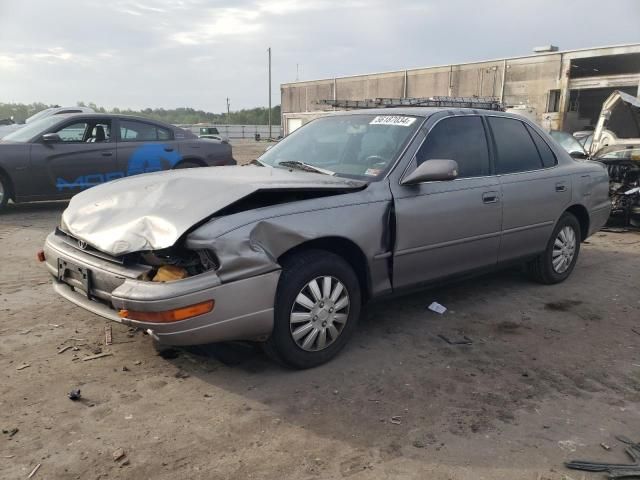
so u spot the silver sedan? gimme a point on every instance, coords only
(350, 207)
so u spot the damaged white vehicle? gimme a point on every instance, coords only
(350, 207)
(618, 123)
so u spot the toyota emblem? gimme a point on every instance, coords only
(82, 245)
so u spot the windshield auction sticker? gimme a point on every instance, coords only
(396, 120)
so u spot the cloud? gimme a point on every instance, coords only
(221, 23)
(148, 53)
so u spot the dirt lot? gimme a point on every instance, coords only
(552, 373)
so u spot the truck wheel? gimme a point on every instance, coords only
(316, 310)
(557, 262)
(4, 192)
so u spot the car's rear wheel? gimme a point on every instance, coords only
(560, 257)
(4, 192)
(316, 311)
(188, 165)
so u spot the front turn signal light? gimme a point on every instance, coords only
(169, 316)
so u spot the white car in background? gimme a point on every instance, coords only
(619, 122)
(47, 112)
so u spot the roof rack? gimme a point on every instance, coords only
(486, 103)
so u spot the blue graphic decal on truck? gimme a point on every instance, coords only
(151, 157)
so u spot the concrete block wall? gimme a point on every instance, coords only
(527, 81)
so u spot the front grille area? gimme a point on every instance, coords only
(89, 250)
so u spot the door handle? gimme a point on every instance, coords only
(561, 187)
(107, 154)
(490, 197)
(168, 149)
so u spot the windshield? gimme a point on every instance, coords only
(357, 146)
(41, 114)
(32, 129)
(567, 141)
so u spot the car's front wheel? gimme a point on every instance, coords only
(4, 192)
(560, 257)
(317, 307)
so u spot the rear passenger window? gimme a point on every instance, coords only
(461, 139)
(516, 151)
(133, 131)
(547, 155)
(164, 134)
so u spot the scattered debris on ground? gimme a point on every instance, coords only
(437, 308)
(108, 335)
(35, 469)
(23, 366)
(614, 470)
(11, 432)
(118, 454)
(74, 394)
(99, 355)
(463, 340)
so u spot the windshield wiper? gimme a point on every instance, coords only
(305, 166)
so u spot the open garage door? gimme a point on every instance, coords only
(592, 80)
(585, 105)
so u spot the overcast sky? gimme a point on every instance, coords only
(171, 53)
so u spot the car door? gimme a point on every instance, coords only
(534, 190)
(83, 156)
(448, 227)
(145, 147)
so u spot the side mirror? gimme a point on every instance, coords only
(432, 171)
(51, 138)
(578, 155)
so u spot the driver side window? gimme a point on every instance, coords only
(462, 139)
(73, 133)
(92, 131)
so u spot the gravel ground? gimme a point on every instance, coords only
(553, 371)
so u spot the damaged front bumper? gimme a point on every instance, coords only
(243, 309)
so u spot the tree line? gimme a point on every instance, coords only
(183, 115)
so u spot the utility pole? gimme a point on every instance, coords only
(228, 111)
(270, 135)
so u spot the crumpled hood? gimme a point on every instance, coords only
(152, 211)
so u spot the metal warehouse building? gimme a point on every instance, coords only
(561, 90)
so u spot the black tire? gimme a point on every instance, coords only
(5, 192)
(297, 272)
(187, 165)
(541, 268)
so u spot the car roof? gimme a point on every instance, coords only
(115, 115)
(426, 111)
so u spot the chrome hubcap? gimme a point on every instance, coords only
(1, 192)
(564, 249)
(319, 313)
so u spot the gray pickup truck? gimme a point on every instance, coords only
(351, 207)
